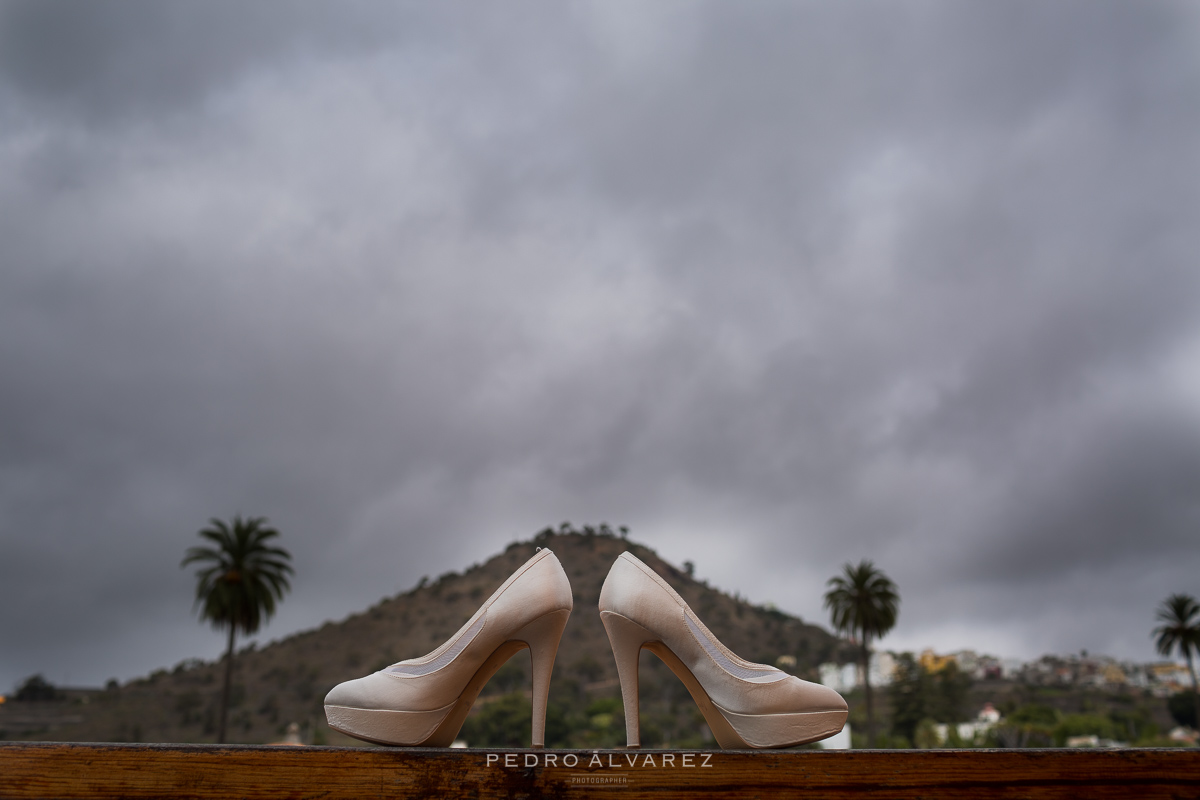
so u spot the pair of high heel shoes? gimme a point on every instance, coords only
(424, 701)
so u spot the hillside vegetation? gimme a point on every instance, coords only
(286, 681)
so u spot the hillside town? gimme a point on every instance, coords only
(1078, 672)
(1159, 678)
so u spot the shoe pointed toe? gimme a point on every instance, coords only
(338, 695)
(351, 694)
(807, 696)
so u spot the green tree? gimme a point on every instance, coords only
(1031, 725)
(918, 694)
(1135, 724)
(37, 689)
(241, 577)
(503, 721)
(863, 603)
(910, 692)
(926, 734)
(1069, 725)
(1180, 629)
(1035, 714)
(953, 688)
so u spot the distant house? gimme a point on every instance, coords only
(1167, 678)
(968, 732)
(932, 662)
(1185, 735)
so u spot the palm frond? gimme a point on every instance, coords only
(862, 601)
(1180, 615)
(241, 577)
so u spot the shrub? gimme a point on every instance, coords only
(1082, 725)
(1183, 708)
(37, 689)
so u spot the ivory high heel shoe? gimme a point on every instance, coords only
(745, 704)
(424, 701)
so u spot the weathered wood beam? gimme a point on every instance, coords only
(46, 770)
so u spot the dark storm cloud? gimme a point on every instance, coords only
(780, 286)
(133, 57)
(1129, 497)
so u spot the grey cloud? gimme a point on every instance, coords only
(1126, 497)
(828, 281)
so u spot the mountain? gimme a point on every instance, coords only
(286, 681)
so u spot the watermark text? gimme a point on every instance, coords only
(598, 760)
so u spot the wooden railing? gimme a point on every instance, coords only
(37, 770)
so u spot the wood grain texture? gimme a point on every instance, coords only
(37, 770)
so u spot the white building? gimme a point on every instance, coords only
(845, 677)
(839, 741)
(1010, 668)
(841, 678)
(883, 668)
(969, 663)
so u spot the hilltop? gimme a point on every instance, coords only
(286, 681)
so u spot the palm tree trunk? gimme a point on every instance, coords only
(225, 689)
(1195, 691)
(866, 662)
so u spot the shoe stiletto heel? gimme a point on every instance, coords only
(542, 636)
(627, 639)
(424, 701)
(746, 705)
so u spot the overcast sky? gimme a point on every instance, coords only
(780, 286)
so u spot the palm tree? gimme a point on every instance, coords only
(863, 601)
(1180, 615)
(238, 583)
